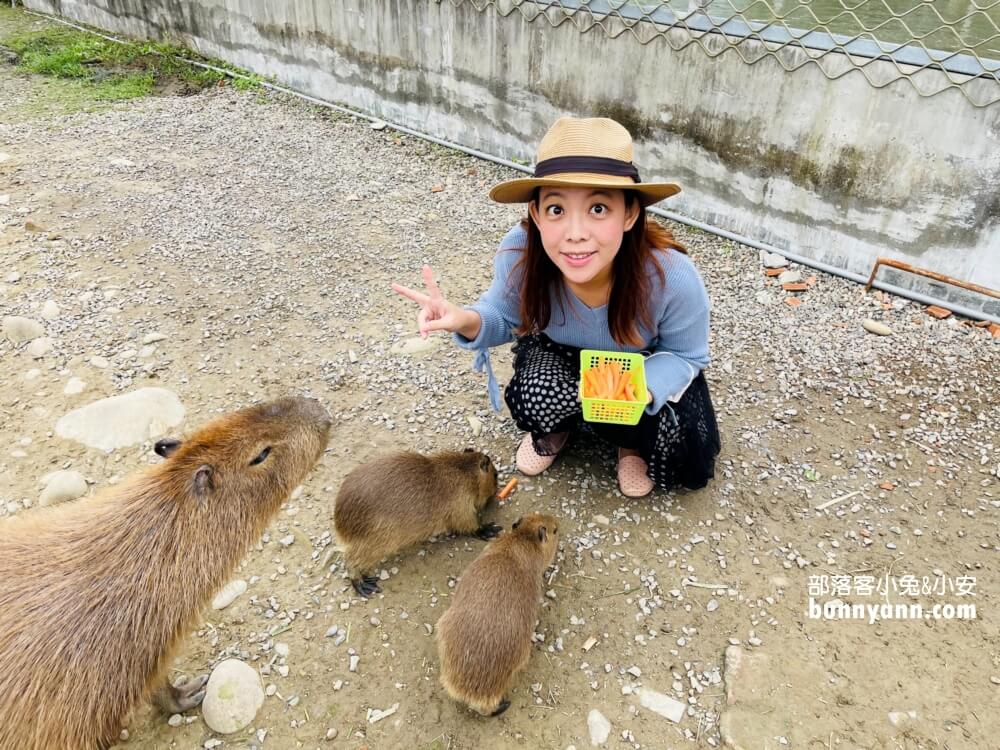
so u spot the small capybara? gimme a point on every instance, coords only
(404, 498)
(96, 594)
(484, 638)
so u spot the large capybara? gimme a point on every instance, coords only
(97, 594)
(484, 638)
(404, 498)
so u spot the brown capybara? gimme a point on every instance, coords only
(96, 594)
(484, 638)
(404, 498)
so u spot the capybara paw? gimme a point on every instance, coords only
(488, 531)
(366, 586)
(504, 705)
(175, 699)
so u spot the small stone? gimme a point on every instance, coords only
(99, 362)
(354, 663)
(281, 649)
(233, 697)
(661, 704)
(476, 425)
(774, 260)
(152, 338)
(602, 520)
(790, 277)
(18, 329)
(74, 387)
(712, 605)
(287, 541)
(599, 726)
(634, 671)
(873, 326)
(175, 720)
(50, 310)
(995, 680)
(39, 347)
(229, 593)
(378, 125)
(332, 631)
(62, 486)
(900, 718)
(331, 734)
(352, 355)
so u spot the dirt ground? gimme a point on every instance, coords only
(259, 235)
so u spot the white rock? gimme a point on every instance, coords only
(790, 277)
(873, 326)
(599, 726)
(50, 310)
(175, 720)
(33, 374)
(4, 199)
(18, 329)
(476, 425)
(899, 718)
(281, 649)
(4, 157)
(375, 714)
(378, 125)
(662, 704)
(354, 663)
(774, 260)
(99, 362)
(152, 338)
(61, 486)
(124, 420)
(602, 520)
(233, 697)
(13, 277)
(74, 386)
(39, 347)
(414, 345)
(229, 593)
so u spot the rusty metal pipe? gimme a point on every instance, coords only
(929, 274)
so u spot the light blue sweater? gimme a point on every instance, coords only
(677, 349)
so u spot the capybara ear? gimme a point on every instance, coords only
(467, 450)
(542, 533)
(166, 447)
(485, 463)
(203, 480)
(517, 522)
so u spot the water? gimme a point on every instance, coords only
(949, 25)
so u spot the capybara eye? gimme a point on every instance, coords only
(261, 456)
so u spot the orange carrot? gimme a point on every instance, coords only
(508, 488)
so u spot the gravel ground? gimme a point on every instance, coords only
(258, 236)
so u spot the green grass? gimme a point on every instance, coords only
(93, 70)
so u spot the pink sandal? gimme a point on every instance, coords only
(633, 479)
(529, 462)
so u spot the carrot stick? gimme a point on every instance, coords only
(507, 489)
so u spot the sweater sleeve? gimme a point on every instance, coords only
(499, 307)
(680, 351)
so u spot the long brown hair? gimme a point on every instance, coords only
(631, 284)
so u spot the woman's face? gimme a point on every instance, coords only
(582, 229)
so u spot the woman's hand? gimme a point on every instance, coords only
(437, 313)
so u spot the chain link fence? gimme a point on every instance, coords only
(934, 45)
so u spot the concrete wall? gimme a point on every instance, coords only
(836, 170)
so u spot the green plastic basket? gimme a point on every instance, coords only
(608, 410)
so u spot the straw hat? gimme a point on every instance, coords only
(594, 152)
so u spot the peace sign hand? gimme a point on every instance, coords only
(436, 313)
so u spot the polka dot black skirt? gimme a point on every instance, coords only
(679, 443)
